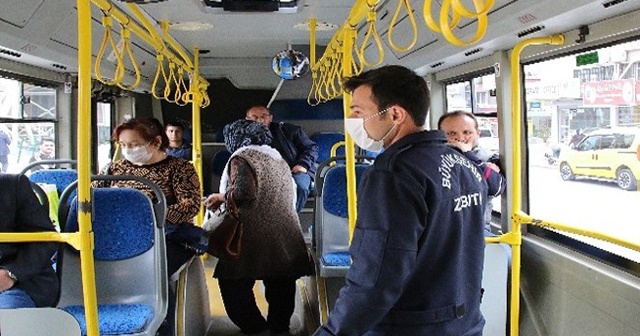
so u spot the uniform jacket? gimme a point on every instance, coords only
(418, 245)
(20, 211)
(295, 146)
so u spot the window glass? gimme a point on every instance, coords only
(478, 96)
(583, 142)
(104, 133)
(28, 132)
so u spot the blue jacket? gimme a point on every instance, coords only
(183, 151)
(418, 245)
(295, 146)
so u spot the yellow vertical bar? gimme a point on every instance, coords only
(197, 127)
(312, 41)
(347, 71)
(516, 188)
(84, 163)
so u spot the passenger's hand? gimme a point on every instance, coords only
(5, 280)
(464, 146)
(298, 169)
(214, 201)
(493, 166)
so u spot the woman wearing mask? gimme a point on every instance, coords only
(273, 248)
(143, 144)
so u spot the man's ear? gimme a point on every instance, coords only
(398, 114)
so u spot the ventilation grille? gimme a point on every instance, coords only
(474, 51)
(612, 3)
(10, 53)
(435, 65)
(530, 31)
(59, 66)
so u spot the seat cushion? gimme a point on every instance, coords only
(115, 319)
(336, 259)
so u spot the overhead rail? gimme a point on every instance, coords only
(169, 85)
(326, 79)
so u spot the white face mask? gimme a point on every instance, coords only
(355, 128)
(137, 155)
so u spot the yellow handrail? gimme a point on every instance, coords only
(371, 31)
(517, 216)
(126, 46)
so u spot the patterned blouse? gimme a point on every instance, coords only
(176, 178)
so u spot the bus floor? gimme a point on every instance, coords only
(221, 325)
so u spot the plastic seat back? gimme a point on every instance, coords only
(332, 226)
(130, 262)
(325, 140)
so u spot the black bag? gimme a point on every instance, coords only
(187, 235)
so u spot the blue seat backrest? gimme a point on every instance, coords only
(335, 189)
(219, 161)
(325, 140)
(62, 178)
(120, 233)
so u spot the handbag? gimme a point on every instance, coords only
(224, 230)
(187, 235)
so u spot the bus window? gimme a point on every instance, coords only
(477, 95)
(103, 120)
(32, 111)
(567, 114)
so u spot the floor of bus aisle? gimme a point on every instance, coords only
(221, 325)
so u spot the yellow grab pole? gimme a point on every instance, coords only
(196, 128)
(84, 162)
(347, 71)
(516, 188)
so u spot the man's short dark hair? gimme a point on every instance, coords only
(458, 113)
(175, 123)
(394, 84)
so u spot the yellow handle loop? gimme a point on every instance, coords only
(159, 69)
(458, 7)
(126, 47)
(446, 28)
(107, 39)
(371, 31)
(428, 18)
(394, 20)
(170, 81)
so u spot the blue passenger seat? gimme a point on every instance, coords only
(130, 262)
(325, 140)
(331, 225)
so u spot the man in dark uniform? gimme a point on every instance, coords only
(296, 148)
(27, 278)
(418, 245)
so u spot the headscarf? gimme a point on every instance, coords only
(244, 132)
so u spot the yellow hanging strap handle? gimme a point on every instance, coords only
(371, 31)
(107, 39)
(159, 70)
(394, 20)
(446, 28)
(126, 47)
(202, 87)
(482, 10)
(457, 11)
(428, 18)
(181, 89)
(171, 80)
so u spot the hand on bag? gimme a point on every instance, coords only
(214, 201)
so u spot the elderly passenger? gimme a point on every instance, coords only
(273, 248)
